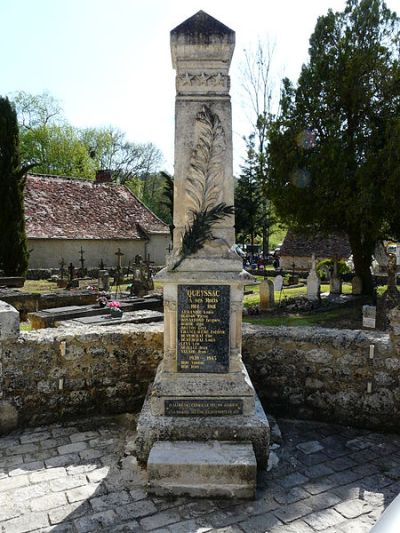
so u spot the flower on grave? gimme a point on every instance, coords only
(114, 304)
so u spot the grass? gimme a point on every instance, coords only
(287, 292)
(38, 285)
(327, 318)
(43, 286)
(251, 300)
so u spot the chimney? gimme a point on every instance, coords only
(103, 176)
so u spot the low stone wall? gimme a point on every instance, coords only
(52, 374)
(326, 374)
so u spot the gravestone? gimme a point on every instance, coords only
(202, 392)
(267, 299)
(278, 283)
(313, 282)
(104, 280)
(369, 316)
(335, 285)
(9, 321)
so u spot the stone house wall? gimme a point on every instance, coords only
(47, 253)
(51, 374)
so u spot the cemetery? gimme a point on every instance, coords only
(150, 382)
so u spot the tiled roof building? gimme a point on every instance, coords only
(297, 248)
(63, 214)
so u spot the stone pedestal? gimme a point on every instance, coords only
(203, 428)
(202, 391)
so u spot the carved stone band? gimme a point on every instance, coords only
(215, 81)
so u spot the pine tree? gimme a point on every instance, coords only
(13, 247)
(248, 214)
(333, 152)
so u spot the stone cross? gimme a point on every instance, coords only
(119, 274)
(82, 262)
(71, 270)
(62, 269)
(119, 255)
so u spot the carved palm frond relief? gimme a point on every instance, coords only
(204, 183)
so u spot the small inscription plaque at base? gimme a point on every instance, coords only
(203, 407)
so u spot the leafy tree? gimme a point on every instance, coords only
(109, 148)
(56, 147)
(334, 150)
(13, 249)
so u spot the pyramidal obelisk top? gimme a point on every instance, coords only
(202, 28)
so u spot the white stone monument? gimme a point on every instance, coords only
(313, 282)
(278, 283)
(9, 321)
(202, 395)
(369, 316)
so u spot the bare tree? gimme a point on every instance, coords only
(259, 90)
(37, 110)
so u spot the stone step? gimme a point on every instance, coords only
(202, 469)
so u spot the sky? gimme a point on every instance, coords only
(108, 62)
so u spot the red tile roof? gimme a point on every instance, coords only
(301, 245)
(67, 208)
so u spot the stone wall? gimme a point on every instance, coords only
(52, 374)
(326, 374)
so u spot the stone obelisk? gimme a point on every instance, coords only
(202, 397)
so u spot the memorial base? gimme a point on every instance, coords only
(234, 428)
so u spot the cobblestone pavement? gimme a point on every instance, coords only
(83, 477)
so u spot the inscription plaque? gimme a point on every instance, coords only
(203, 328)
(203, 407)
